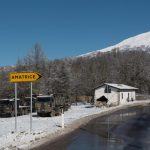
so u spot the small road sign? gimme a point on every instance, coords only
(24, 77)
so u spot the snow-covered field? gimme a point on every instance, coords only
(42, 126)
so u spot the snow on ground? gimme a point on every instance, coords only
(42, 126)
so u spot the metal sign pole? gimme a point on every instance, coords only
(15, 107)
(31, 110)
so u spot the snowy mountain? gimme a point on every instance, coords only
(141, 41)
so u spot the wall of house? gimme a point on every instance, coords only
(112, 97)
(116, 96)
(126, 96)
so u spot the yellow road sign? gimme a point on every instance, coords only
(24, 76)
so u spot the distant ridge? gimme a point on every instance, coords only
(139, 41)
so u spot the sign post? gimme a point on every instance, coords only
(15, 107)
(31, 110)
(23, 77)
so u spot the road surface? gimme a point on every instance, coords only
(127, 129)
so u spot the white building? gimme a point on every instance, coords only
(115, 93)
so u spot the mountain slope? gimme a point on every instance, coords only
(140, 41)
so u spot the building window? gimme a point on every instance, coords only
(107, 89)
(122, 95)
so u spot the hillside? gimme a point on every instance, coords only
(141, 41)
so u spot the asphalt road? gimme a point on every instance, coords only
(127, 129)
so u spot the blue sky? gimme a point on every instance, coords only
(66, 28)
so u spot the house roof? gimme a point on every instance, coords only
(118, 86)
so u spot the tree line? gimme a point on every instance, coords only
(73, 77)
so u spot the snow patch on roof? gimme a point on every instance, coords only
(121, 86)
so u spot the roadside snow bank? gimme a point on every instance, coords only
(42, 127)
